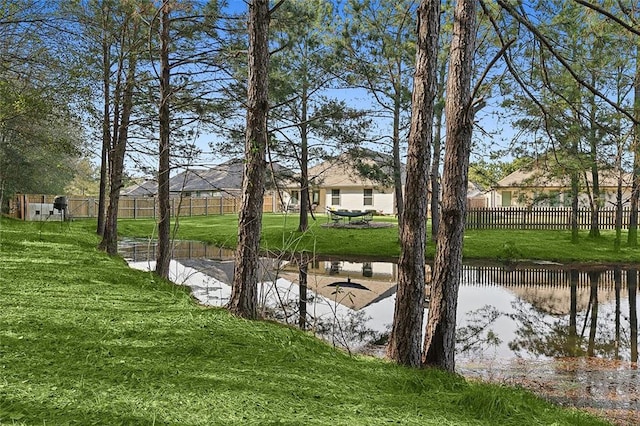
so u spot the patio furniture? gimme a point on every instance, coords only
(338, 216)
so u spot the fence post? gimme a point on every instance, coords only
(25, 206)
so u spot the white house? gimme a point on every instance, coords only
(338, 185)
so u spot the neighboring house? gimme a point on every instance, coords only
(222, 180)
(147, 188)
(337, 184)
(218, 181)
(353, 285)
(476, 196)
(536, 187)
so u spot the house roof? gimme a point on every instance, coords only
(365, 291)
(147, 188)
(474, 189)
(342, 171)
(222, 177)
(225, 176)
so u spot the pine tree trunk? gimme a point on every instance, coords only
(109, 241)
(245, 278)
(439, 344)
(163, 255)
(304, 165)
(106, 127)
(397, 164)
(574, 207)
(594, 229)
(632, 237)
(435, 167)
(406, 332)
(619, 201)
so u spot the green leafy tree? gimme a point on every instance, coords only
(86, 179)
(39, 131)
(129, 44)
(488, 173)
(635, 193)
(572, 92)
(307, 120)
(378, 49)
(39, 140)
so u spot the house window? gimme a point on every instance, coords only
(315, 197)
(368, 197)
(295, 197)
(506, 198)
(335, 197)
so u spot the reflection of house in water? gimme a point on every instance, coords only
(557, 301)
(548, 289)
(352, 284)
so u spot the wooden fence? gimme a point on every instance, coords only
(549, 218)
(549, 275)
(138, 207)
(552, 218)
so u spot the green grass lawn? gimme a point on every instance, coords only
(280, 233)
(85, 340)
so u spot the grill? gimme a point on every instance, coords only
(60, 203)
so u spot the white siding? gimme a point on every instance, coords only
(353, 199)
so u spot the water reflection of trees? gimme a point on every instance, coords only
(477, 336)
(593, 332)
(632, 285)
(347, 330)
(343, 328)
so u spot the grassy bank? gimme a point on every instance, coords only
(280, 233)
(86, 340)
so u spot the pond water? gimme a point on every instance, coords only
(570, 334)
